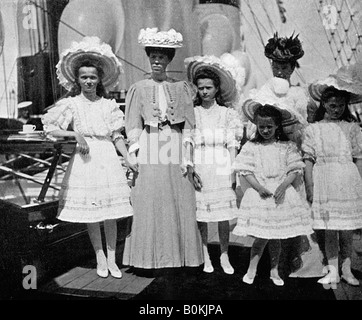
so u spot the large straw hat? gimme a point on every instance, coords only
(151, 37)
(250, 106)
(227, 67)
(89, 48)
(347, 78)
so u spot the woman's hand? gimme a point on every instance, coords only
(279, 194)
(194, 178)
(82, 144)
(131, 161)
(309, 191)
(264, 193)
(233, 180)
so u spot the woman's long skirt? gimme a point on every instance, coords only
(164, 229)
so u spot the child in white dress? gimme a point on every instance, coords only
(271, 209)
(216, 142)
(332, 149)
(94, 188)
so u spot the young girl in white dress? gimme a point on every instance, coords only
(216, 142)
(94, 188)
(271, 209)
(332, 149)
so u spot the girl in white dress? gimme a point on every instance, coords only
(94, 188)
(271, 209)
(332, 149)
(215, 142)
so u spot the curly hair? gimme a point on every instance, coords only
(269, 111)
(329, 93)
(205, 73)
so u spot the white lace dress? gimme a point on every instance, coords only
(262, 218)
(217, 128)
(94, 187)
(337, 198)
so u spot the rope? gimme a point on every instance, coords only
(297, 72)
(342, 46)
(272, 27)
(255, 22)
(83, 35)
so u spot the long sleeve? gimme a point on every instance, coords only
(133, 118)
(188, 104)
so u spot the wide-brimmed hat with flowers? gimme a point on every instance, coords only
(347, 78)
(91, 48)
(227, 67)
(250, 106)
(151, 37)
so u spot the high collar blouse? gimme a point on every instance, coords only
(143, 107)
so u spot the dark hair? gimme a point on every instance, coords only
(269, 111)
(169, 52)
(331, 92)
(205, 73)
(293, 63)
(88, 62)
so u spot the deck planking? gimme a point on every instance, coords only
(84, 282)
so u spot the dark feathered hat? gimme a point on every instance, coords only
(284, 49)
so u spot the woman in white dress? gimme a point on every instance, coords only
(94, 188)
(216, 142)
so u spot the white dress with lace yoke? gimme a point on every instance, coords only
(94, 187)
(263, 218)
(217, 129)
(337, 193)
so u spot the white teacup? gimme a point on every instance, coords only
(29, 128)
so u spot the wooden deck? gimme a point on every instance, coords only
(83, 282)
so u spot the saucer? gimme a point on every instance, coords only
(30, 132)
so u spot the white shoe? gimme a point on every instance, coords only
(103, 273)
(248, 280)
(115, 272)
(228, 269)
(226, 266)
(350, 279)
(277, 281)
(329, 279)
(208, 268)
